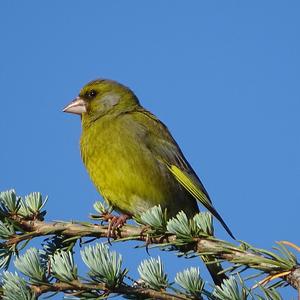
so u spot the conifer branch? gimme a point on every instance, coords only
(53, 269)
(77, 287)
(222, 250)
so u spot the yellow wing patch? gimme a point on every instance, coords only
(192, 187)
(189, 185)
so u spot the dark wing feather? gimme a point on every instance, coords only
(161, 143)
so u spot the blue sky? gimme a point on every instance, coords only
(223, 75)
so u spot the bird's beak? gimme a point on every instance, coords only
(77, 106)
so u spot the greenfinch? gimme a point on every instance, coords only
(131, 156)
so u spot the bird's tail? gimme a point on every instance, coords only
(215, 269)
(198, 192)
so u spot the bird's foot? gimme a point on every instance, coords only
(144, 235)
(114, 223)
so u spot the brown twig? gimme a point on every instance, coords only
(78, 286)
(292, 245)
(219, 249)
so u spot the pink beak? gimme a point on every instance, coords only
(77, 106)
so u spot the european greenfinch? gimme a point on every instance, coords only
(131, 156)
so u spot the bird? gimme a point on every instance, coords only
(131, 156)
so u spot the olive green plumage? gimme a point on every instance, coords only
(126, 152)
(131, 156)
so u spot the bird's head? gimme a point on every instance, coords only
(102, 96)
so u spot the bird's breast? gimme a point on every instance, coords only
(125, 171)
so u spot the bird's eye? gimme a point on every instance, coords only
(91, 94)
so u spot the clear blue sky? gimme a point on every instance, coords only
(223, 75)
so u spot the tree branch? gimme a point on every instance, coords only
(77, 286)
(220, 249)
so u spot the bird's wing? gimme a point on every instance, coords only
(188, 182)
(161, 143)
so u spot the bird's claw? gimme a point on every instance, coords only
(114, 223)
